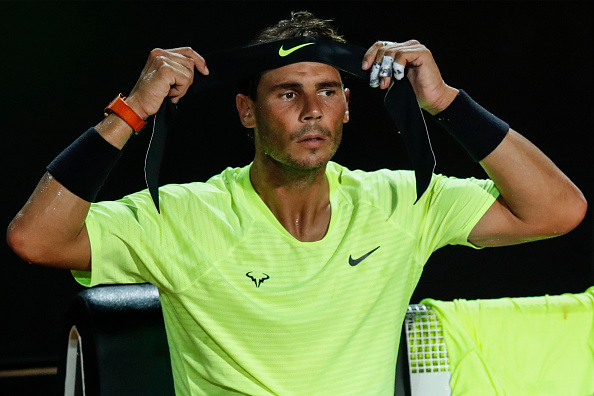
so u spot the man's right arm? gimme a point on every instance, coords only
(50, 228)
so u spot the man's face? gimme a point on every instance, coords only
(299, 113)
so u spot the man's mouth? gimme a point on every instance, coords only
(312, 138)
(311, 141)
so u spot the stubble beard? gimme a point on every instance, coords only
(312, 163)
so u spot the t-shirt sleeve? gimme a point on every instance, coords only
(132, 243)
(453, 207)
(118, 252)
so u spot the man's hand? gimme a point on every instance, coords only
(167, 73)
(433, 94)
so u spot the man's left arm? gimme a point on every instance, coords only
(537, 200)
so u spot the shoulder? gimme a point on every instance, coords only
(225, 183)
(347, 176)
(393, 189)
(369, 185)
(178, 199)
(443, 186)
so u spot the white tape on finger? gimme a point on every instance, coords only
(386, 67)
(374, 81)
(398, 70)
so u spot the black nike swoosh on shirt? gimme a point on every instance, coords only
(353, 262)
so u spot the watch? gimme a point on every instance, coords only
(125, 112)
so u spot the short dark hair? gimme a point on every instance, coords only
(301, 24)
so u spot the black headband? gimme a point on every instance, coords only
(242, 64)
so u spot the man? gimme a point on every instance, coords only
(290, 275)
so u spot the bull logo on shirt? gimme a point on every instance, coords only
(257, 277)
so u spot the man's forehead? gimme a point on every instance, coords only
(302, 71)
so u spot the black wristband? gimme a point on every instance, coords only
(477, 130)
(84, 166)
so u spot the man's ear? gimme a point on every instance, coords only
(245, 109)
(347, 93)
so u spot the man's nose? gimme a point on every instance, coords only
(312, 111)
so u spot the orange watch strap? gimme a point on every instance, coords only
(125, 112)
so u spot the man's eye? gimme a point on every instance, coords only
(328, 92)
(288, 95)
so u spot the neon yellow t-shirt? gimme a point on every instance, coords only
(521, 346)
(250, 309)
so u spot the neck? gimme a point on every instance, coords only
(299, 199)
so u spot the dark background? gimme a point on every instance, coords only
(528, 62)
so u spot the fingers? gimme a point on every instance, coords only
(184, 60)
(167, 73)
(370, 55)
(387, 59)
(197, 60)
(179, 71)
(181, 61)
